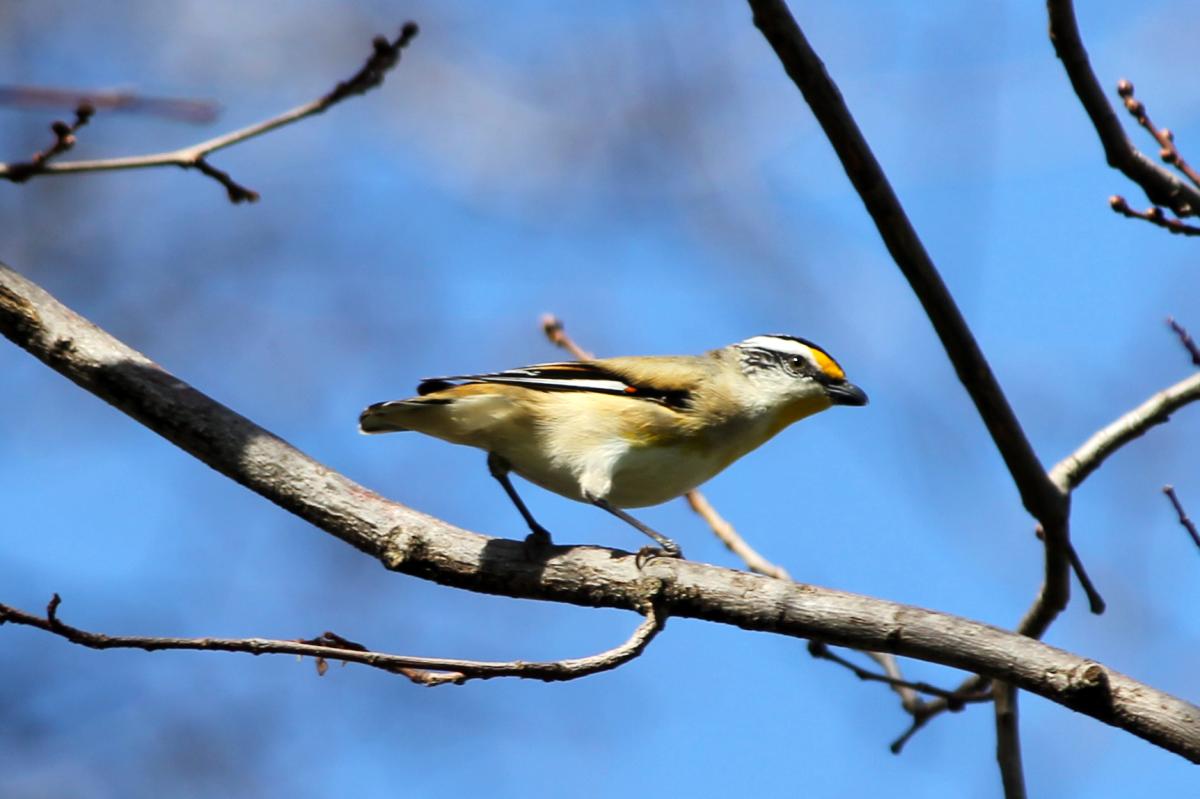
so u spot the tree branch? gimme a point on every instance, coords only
(407, 541)
(386, 54)
(820, 651)
(1072, 470)
(553, 327)
(1188, 525)
(329, 646)
(1068, 474)
(1008, 741)
(1168, 152)
(1154, 215)
(64, 140)
(728, 535)
(1161, 185)
(1185, 338)
(1040, 496)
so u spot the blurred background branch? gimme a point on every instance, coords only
(196, 112)
(384, 56)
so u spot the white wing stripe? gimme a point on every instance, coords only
(593, 385)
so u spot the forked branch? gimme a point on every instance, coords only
(384, 56)
(1162, 186)
(1040, 496)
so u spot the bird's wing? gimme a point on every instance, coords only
(611, 376)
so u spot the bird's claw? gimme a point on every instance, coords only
(648, 553)
(537, 542)
(539, 537)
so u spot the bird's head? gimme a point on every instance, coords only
(792, 378)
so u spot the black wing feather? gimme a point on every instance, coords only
(567, 376)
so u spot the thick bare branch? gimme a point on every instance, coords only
(386, 54)
(1040, 496)
(1161, 186)
(329, 646)
(1069, 474)
(410, 542)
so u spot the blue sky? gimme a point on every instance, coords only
(646, 172)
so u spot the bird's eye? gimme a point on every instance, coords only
(796, 364)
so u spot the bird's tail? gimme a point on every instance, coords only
(397, 415)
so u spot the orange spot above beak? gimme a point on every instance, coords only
(828, 365)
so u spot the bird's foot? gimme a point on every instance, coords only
(647, 554)
(537, 542)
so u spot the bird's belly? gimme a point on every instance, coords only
(653, 475)
(628, 477)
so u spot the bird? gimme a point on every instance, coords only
(624, 432)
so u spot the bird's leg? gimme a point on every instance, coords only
(669, 548)
(538, 535)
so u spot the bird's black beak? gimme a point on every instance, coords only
(844, 392)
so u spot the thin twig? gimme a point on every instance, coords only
(730, 537)
(1008, 741)
(1168, 152)
(974, 689)
(1072, 470)
(64, 139)
(821, 651)
(1095, 602)
(1185, 338)
(1161, 186)
(330, 646)
(1184, 520)
(553, 327)
(386, 54)
(1154, 215)
(909, 700)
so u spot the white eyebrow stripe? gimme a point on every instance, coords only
(784, 345)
